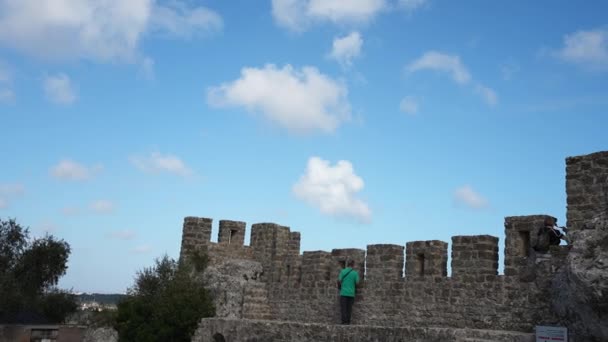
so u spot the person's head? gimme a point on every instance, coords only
(550, 221)
(351, 263)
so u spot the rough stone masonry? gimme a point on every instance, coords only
(268, 291)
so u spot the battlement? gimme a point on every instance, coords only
(277, 248)
(396, 279)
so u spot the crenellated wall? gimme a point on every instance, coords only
(401, 284)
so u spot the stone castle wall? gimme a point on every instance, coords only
(401, 284)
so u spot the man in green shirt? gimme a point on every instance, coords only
(349, 279)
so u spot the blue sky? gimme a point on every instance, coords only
(354, 122)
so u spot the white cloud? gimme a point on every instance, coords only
(433, 60)
(589, 49)
(142, 249)
(59, 89)
(70, 170)
(409, 105)
(346, 48)
(297, 15)
(176, 19)
(122, 235)
(466, 196)
(108, 30)
(301, 101)
(8, 191)
(102, 206)
(487, 94)
(451, 65)
(333, 189)
(157, 162)
(412, 5)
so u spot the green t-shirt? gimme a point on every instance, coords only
(348, 282)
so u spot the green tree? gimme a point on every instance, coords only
(165, 303)
(31, 269)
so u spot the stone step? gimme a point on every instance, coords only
(259, 329)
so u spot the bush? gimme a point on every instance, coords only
(165, 303)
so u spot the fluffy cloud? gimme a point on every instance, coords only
(106, 30)
(466, 196)
(122, 235)
(409, 105)
(70, 170)
(589, 49)
(178, 20)
(297, 15)
(102, 206)
(59, 89)
(156, 162)
(433, 60)
(333, 189)
(451, 65)
(301, 101)
(346, 48)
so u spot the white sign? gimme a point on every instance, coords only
(551, 334)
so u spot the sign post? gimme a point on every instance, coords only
(551, 334)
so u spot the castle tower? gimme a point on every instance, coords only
(587, 189)
(196, 235)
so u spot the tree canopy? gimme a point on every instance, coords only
(31, 269)
(165, 303)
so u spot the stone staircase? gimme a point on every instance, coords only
(255, 302)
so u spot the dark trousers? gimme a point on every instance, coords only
(346, 308)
